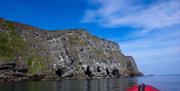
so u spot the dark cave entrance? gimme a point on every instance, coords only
(116, 73)
(88, 72)
(98, 69)
(59, 72)
(107, 71)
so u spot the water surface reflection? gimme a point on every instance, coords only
(70, 85)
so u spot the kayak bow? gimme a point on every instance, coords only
(142, 87)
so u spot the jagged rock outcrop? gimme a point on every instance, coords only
(72, 53)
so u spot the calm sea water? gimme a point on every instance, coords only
(164, 83)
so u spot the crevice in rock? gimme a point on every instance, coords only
(8, 66)
(81, 49)
(107, 71)
(80, 63)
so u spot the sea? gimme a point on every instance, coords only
(162, 82)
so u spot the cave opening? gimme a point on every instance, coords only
(88, 72)
(98, 69)
(116, 73)
(59, 72)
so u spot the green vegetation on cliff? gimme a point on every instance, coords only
(14, 48)
(11, 45)
(37, 64)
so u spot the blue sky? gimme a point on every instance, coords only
(149, 30)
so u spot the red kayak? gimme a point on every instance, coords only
(142, 87)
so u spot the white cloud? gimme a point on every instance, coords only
(115, 13)
(156, 36)
(160, 47)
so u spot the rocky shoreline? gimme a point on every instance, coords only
(44, 78)
(9, 72)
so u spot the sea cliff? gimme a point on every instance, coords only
(30, 53)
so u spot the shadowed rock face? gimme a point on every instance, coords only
(75, 52)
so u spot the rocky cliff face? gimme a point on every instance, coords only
(70, 53)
